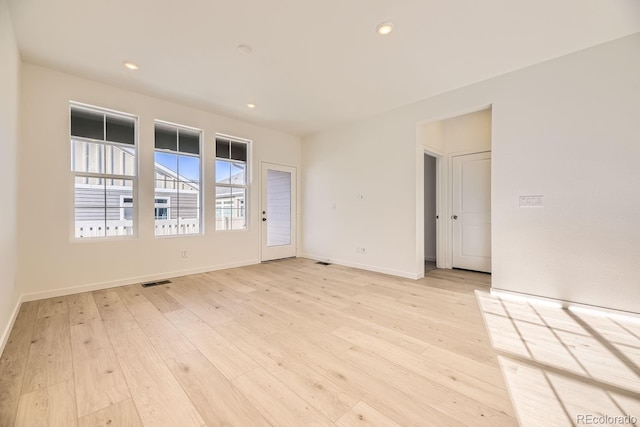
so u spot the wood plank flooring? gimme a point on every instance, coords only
(286, 343)
(565, 367)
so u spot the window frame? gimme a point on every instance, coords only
(247, 181)
(104, 143)
(200, 206)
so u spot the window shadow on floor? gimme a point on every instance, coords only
(563, 366)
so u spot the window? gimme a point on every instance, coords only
(162, 208)
(231, 183)
(103, 163)
(177, 180)
(127, 205)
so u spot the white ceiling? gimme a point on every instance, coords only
(315, 63)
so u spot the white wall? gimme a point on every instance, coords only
(467, 133)
(51, 261)
(367, 158)
(464, 133)
(9, 106)
(566, 129)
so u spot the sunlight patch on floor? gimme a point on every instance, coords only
(565, 367)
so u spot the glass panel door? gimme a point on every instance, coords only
(279, 207)
(278, 211)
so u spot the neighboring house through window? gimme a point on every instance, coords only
(162, 208)
(103, 163)
(231, 183)
(177, 180)
(127, 205)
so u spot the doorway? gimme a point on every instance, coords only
(430, 213)
(450, 140)
(278, 211)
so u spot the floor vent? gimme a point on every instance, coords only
(162, 282)
(323, 263)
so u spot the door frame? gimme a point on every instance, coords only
(441, 208)
(294, 206)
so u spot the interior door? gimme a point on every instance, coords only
(278, 211)
(471, 219)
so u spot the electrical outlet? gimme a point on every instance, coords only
(184, 254)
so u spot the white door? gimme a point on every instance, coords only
(278, 211)
(471, 219)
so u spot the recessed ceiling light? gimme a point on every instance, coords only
(384, 28)
(131, 65)
(245, 48)
(251, 106)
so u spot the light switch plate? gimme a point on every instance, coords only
(531, 202)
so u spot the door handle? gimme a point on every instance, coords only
(264, 219)
(454, 216)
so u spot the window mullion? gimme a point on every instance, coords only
(104, 181)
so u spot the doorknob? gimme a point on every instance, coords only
(454, 216)
(264, 219)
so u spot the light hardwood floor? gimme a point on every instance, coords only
(287, 343)
(565, 367)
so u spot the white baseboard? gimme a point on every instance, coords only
(7, 329)
(412, 276)
(131, 281)
(565, 304)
